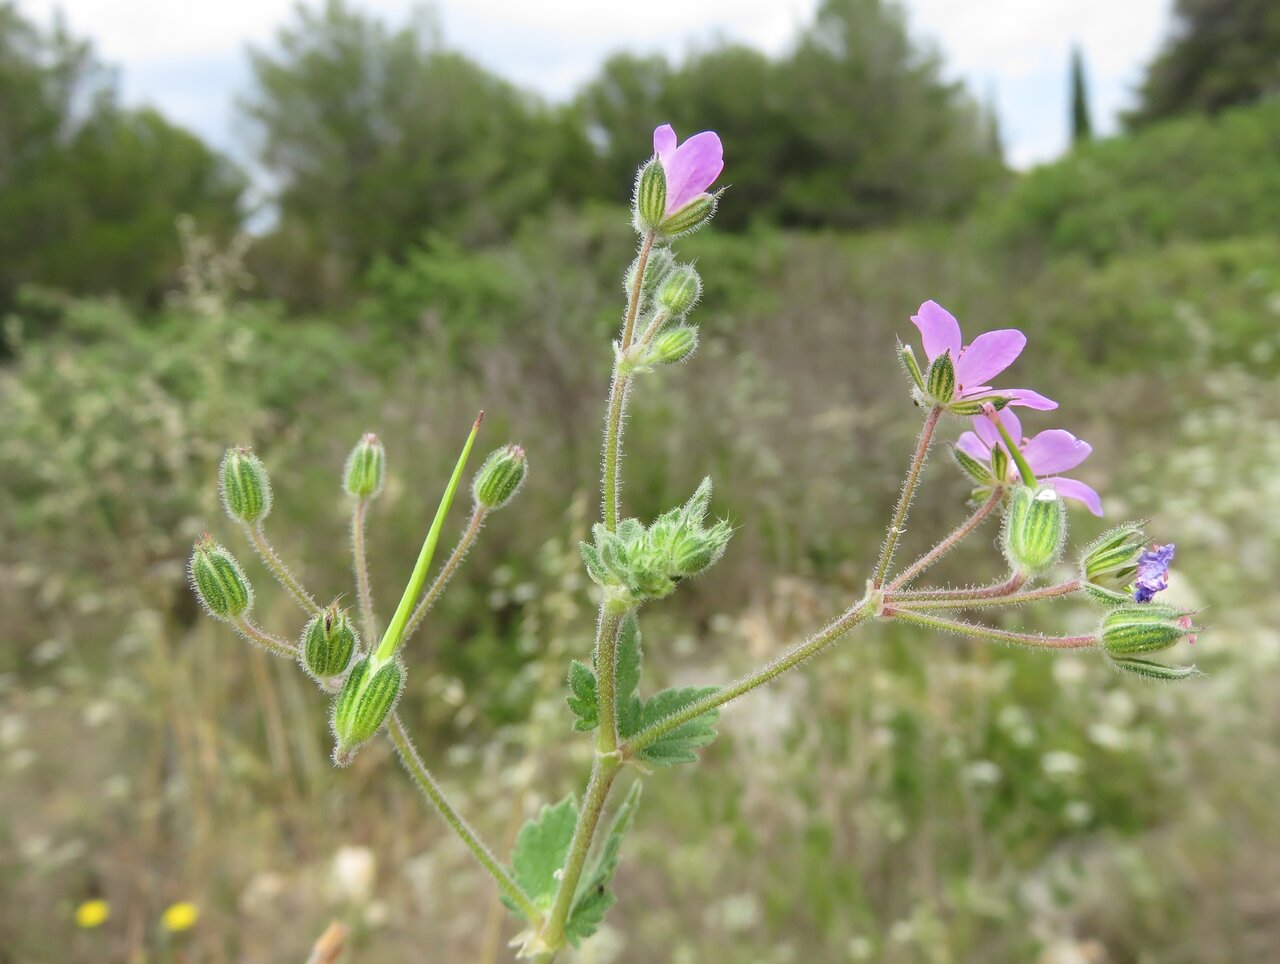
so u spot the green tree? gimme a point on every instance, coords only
(90, 192)
(376, 135)
(1221, 53)
(1081, 121)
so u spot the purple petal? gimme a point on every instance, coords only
(1073, 489)
(939, 330)
(692, 168)
(971, 445)
(664, 142)
(1028, 398)
(989, 354)
(986, 431)
(1055, 450)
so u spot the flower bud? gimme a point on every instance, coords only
(692, 216)
(1146, 628)
(693, 550)
(649, 206)
(218, 580)
(940, 383)
(328, 642)
(246, 488)
(365, 469)
(1035, 527)
(1111, 560)
(500, 478)
(363, 704)
(912, 367)
(680, 290)
(661, 261)
(674, 345)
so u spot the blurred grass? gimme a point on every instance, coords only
(912, 799)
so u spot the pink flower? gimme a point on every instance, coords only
(690, 168)
(978, 362)
(1048, 453)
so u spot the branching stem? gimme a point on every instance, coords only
(258, 536)
(986, 602)
(946, 545)
(465, 542)
(976, 631)
(368, 623)
(896, 527)
(271, 643)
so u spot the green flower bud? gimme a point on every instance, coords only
(365, 469)
(674, 345)
(661, 261)
(363, 704)
(328, 641)
(680, 290)
(218, 581)
(692, 216)
(649, 205)
(500, 478)
(940, 383)
(1145, 628)
(692, 551)
(246, 488)
(1035, 527)
(977, 471)
(1111, 560)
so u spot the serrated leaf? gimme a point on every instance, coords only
(583, 698)
(542, 847)
(677, 746)
(630, 659)
(594, 897)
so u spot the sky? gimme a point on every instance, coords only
(188, 59)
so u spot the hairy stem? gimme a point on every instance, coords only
(1010, 599)
(976, 631)
(606, 657)
(947, 544)
(1004, 587)
(621, 384)
(603, 772)
(271, 643)
(278, 569)
(433, 792)
(791, 658)
(465, 542)
(897, 526)
(368, 625)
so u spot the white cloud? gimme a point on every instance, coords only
(188, 59)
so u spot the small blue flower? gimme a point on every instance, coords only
(1153, 572)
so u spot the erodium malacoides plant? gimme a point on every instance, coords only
(558, 880)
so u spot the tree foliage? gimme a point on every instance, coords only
(1221, 53)
(90, 191)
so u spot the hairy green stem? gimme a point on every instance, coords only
(279, 570)
(368, 625)
(770, 671)
(976, 631)
(433, 792)
(1010, 599)
(465, 542)
(271, 643)
(897, 526)
(947, 544)
(606, 659)
(603, 771)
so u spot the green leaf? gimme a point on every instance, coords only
(583, 696)
(678, 745)
(542, 847)
(629, 658)
(594, 897)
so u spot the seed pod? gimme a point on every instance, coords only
(218, 581)
(649, 206)
(328, 642)
(500, 478)
(246, 488)
(363, 704)
(365, 469)
(1035, 528)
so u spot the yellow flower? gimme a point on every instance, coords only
(92, 913)
(180, 916)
